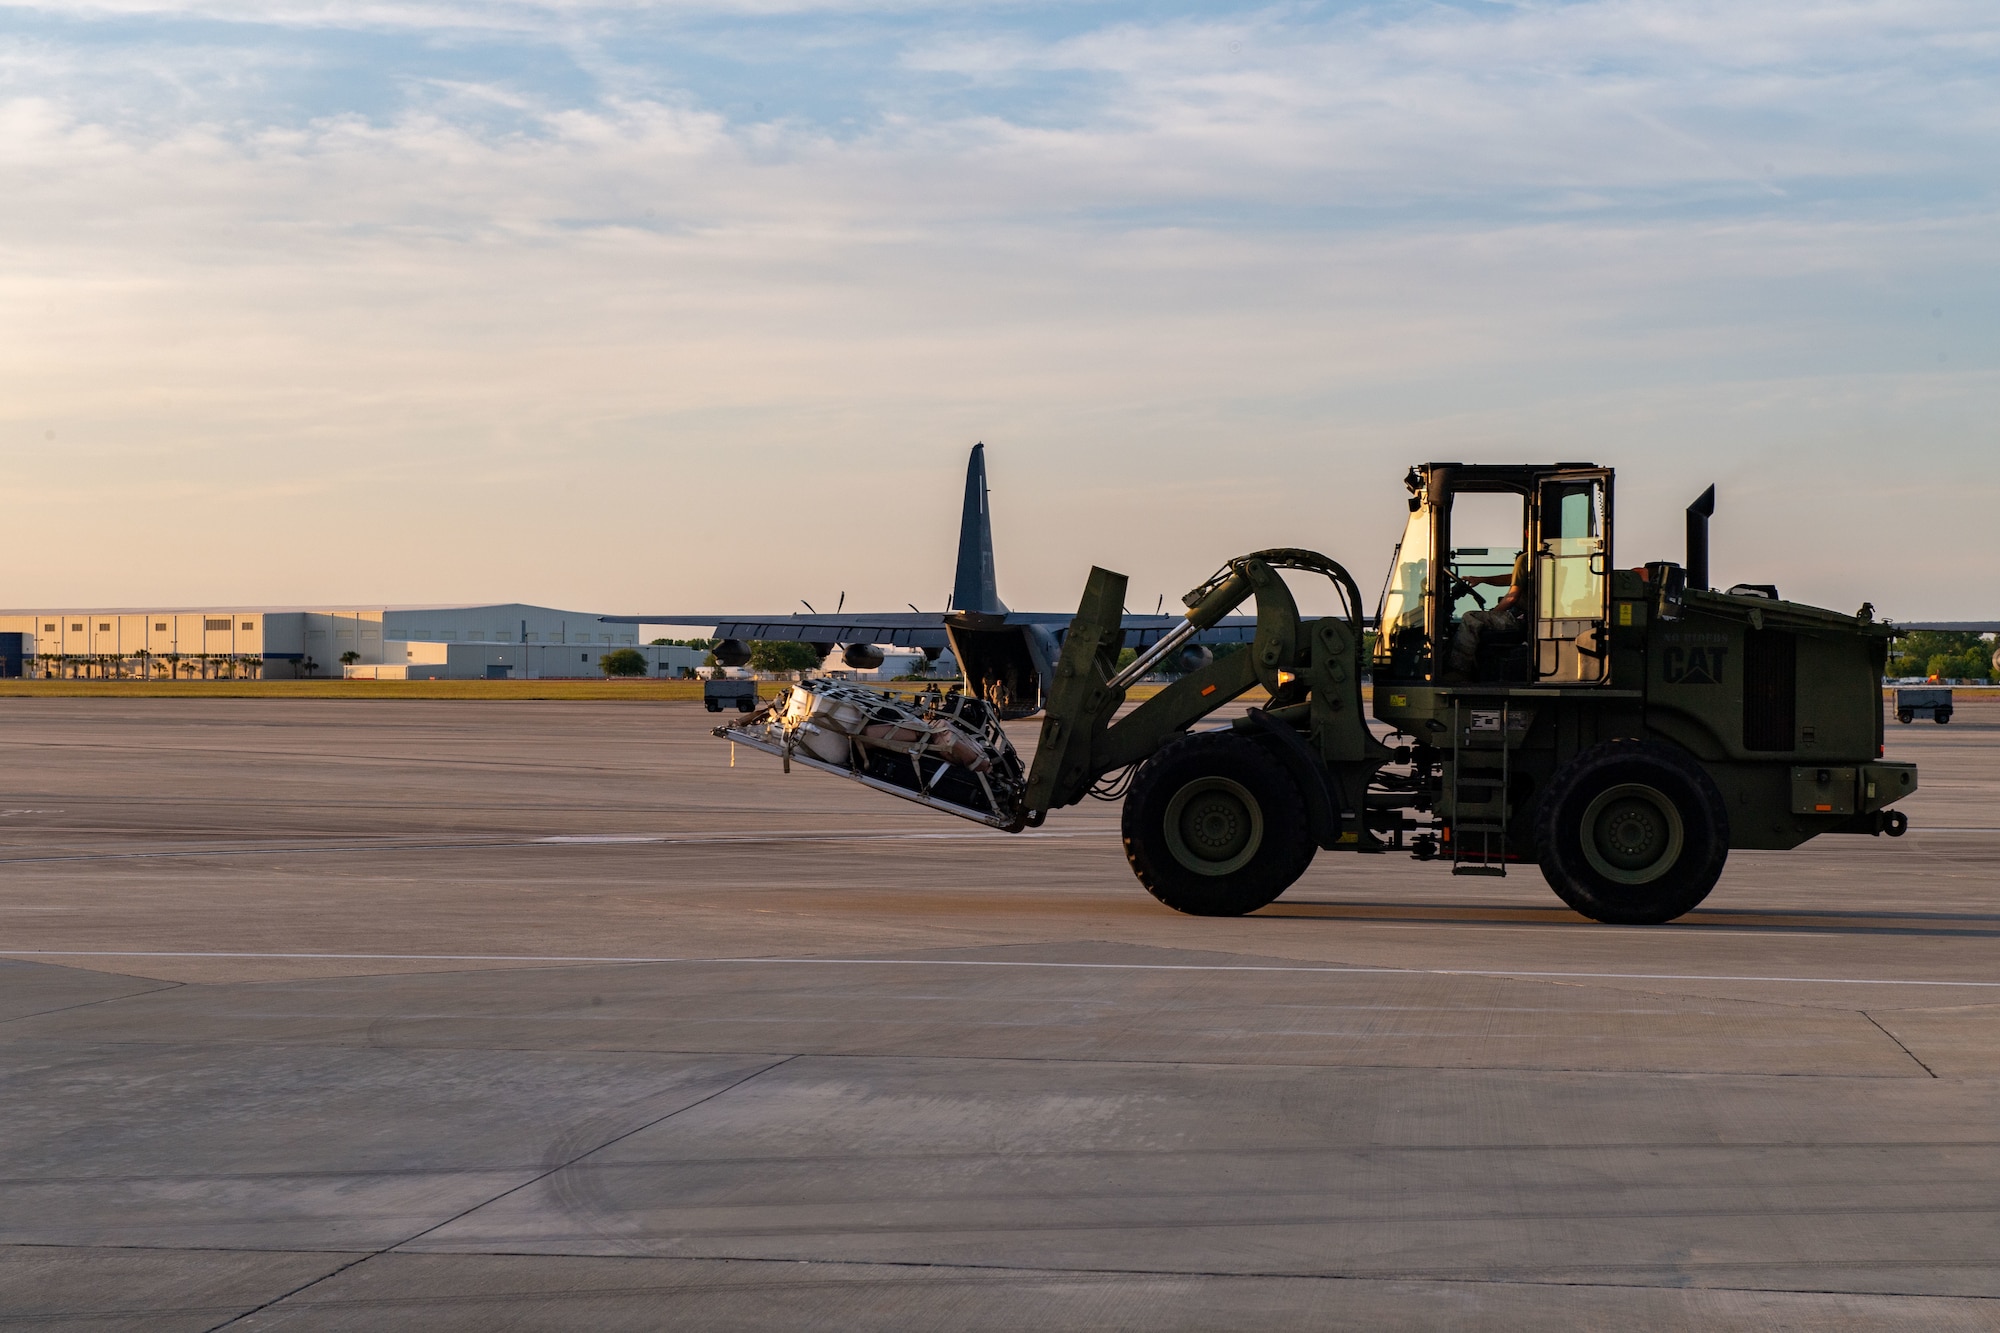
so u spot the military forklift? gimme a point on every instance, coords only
(1622, 729)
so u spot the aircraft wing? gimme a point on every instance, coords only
(920, 629)
(900, 629)
(1952, 626)
(973, 590)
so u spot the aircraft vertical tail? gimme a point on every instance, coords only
(974, 588)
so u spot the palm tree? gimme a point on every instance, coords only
(349, 658)
(145, 660)
(307, 665)
(254, 665)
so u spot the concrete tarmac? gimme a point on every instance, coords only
(459, 1015)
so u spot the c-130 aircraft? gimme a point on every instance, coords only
(1025, 675)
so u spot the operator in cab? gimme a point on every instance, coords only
(1509, 613)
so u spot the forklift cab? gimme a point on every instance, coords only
(1534, 539)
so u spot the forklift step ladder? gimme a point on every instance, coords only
(1479, 802)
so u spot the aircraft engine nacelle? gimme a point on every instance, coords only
(732, 653)
(862, 656)
(1194, 657)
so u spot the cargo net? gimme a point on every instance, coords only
(942, 748)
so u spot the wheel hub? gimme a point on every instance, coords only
(1214, 826)
(1632, 834)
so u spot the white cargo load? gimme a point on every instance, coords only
(941, 748)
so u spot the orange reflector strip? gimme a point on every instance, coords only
(1207, 690)
(1822, 807)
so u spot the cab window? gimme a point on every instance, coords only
(1487, 534)
(1572, 579)
(1402, 647)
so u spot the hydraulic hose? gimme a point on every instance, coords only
(1225, 590)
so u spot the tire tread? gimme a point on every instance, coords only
(1288, 849)
(1704, 816)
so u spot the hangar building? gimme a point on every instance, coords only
(508, 639)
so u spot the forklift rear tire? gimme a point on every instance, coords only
(1942, 716)
(1906, 717)
(1214, 826)
(1632, 833)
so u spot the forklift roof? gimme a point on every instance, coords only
(1494, 476)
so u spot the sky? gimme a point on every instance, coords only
(694, 307)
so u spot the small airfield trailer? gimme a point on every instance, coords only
(1931, 701)
(724, 692)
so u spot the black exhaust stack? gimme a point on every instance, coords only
(1698, 515)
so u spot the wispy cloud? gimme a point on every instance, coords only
(402, 264)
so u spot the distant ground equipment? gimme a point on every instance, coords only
(738, 694)
(1933, 702)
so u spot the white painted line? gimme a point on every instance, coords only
(888, 834)
(985, 962)
(675, 839)
(1707, 932)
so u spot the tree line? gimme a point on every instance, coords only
(1945, 654)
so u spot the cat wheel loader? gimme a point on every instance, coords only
(1622, 729)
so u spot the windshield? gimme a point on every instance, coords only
(1400, 619)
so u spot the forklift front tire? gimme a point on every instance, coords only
(1214, 826)
(1632, 833)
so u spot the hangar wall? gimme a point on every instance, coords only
(281, 641)
(511, 661)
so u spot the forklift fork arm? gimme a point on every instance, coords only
(1080, 743)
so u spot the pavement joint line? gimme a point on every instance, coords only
(1061, 1061)
(537, 1178)
(1899, 1042)
(987, 962)
(974, 1266)
(86, 1004)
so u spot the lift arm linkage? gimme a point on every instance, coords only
(1310, 668)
